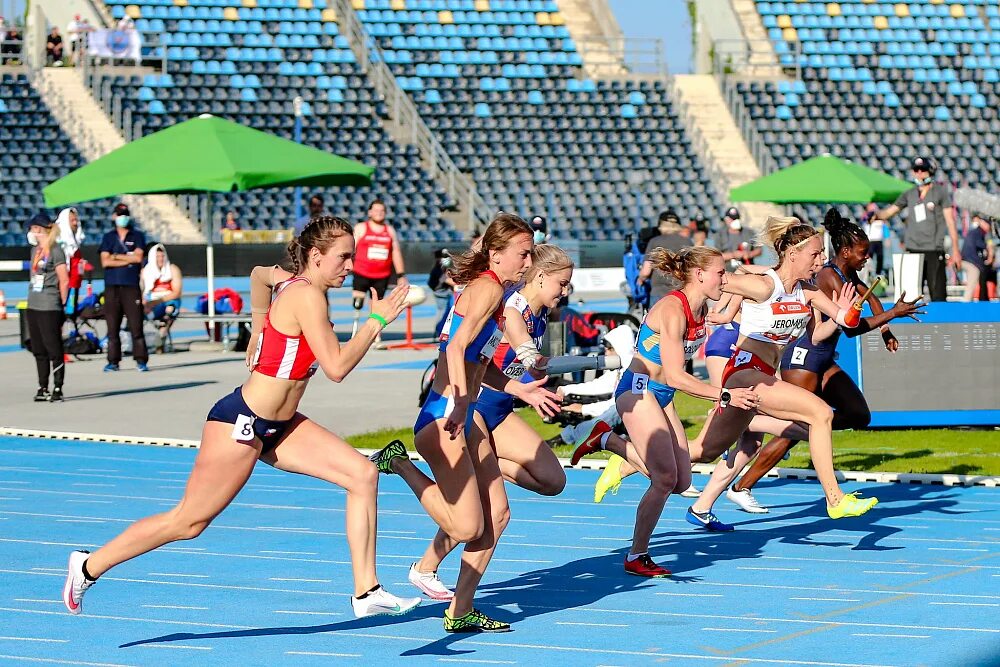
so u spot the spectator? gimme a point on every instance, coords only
(125, 24)
(47, 292)
(54, 48)
(977, 257)
(71, 239)
(928, 217)
(734, 241)
(3, 29)
(540, 229)
(699, 230)
(315, 210)
(77, 30)
(670, 237)
(442, 286)
(162, 284)
(121, 256)
(10, 48)
(231, 222)
(876, 231)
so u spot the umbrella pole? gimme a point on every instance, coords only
(210, 256)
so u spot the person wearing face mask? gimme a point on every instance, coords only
(122, 251)
(540, 229)
(47, 293)
(71, 238)
(928, 215)
(735, 242)
(672, 239)
(442, 286)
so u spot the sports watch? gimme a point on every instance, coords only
(724, 398)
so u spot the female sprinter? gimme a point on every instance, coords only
(259, 420)
(813, 366)
(466, 497)
(776, 310)
(524, 458)
(671, 333)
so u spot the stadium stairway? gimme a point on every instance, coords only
(595, 30)
(92, 132)
(762, 54)
(725, 152)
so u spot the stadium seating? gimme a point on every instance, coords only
(881, 82)
(34, 151)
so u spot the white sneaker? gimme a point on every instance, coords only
(429, 584)
(76, 584)
(381, 602)
(745, 500)
(691, 492)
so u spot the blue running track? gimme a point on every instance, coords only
(917, 581)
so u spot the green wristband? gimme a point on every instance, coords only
(379, 319)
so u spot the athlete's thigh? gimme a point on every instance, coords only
(488, 476)
(788, 401)
(726, 425)
(801, 378)
(676, 426)
(221, 469)
(715, 366)
(517, 442)
(649, 430)
(840, 391)
(309, 449)
(449, 462)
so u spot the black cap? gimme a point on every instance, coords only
(122, 209)
(733, 213)
(41, 220)
(539, 223)
(669, 216)
(923, 164)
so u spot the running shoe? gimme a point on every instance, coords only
(708, 521)
(610, 479)
(591, 442)
(381, 602)
(643, 566)
(851, 505)
(76, 584)
(57, 395)
(42, 395)
(383, 457)
(142, 368)
(429, 584)
(474, 621)
(745, 501)
(110, 368)
(691, 492)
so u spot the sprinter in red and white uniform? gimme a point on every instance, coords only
(376, 255)
(777, 307)
(292, 337)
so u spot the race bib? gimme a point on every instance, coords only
(243, 429)
(742, 358)
(492, 344)
(514, 371)
(799, 356)
(639, 383)
(378, 253)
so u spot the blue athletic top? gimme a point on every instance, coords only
(485, 344)
(504, 358)
(647, 345)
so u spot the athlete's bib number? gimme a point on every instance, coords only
(243, 428)
(492, 344)
(799, 356)
(514, 371)
(639, 383)
(742, 358)
(378, 253)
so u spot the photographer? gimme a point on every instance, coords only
(442, 286)
(735, 242)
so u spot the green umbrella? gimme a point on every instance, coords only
(823, 180)
(204, 154)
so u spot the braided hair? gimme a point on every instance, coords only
(844, 232)
(321, 232)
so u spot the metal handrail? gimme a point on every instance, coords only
(635, 56)
(460, 187)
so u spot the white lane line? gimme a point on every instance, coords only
(177, 646)
(312, 581)
(172, 606)
(10, 481)
(54, 661)
(291, 553)
(36, 600)
(738, 630)
(10, 498)
(872, 634)
(800, 589)
(107, 486)
(478, 661)
(181, 549)
(398, 532)
(579, 516)
(286, 528)
(34, 639)
(769, 569)
(177, 574)
(329, 655)
(80, 521)
(91, 502)
(307, 613)
(829, 599)
(108, 617)
(97, 470)
(953, 549)
(968, 604)
(693, 595)
(49, 569)
(891, 572)
(519, 560)
(592, 625)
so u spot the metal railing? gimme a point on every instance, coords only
(753, 58)
(759, 149)
(460, 186)
(605, 19)
(11, 50)
(623, 57)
